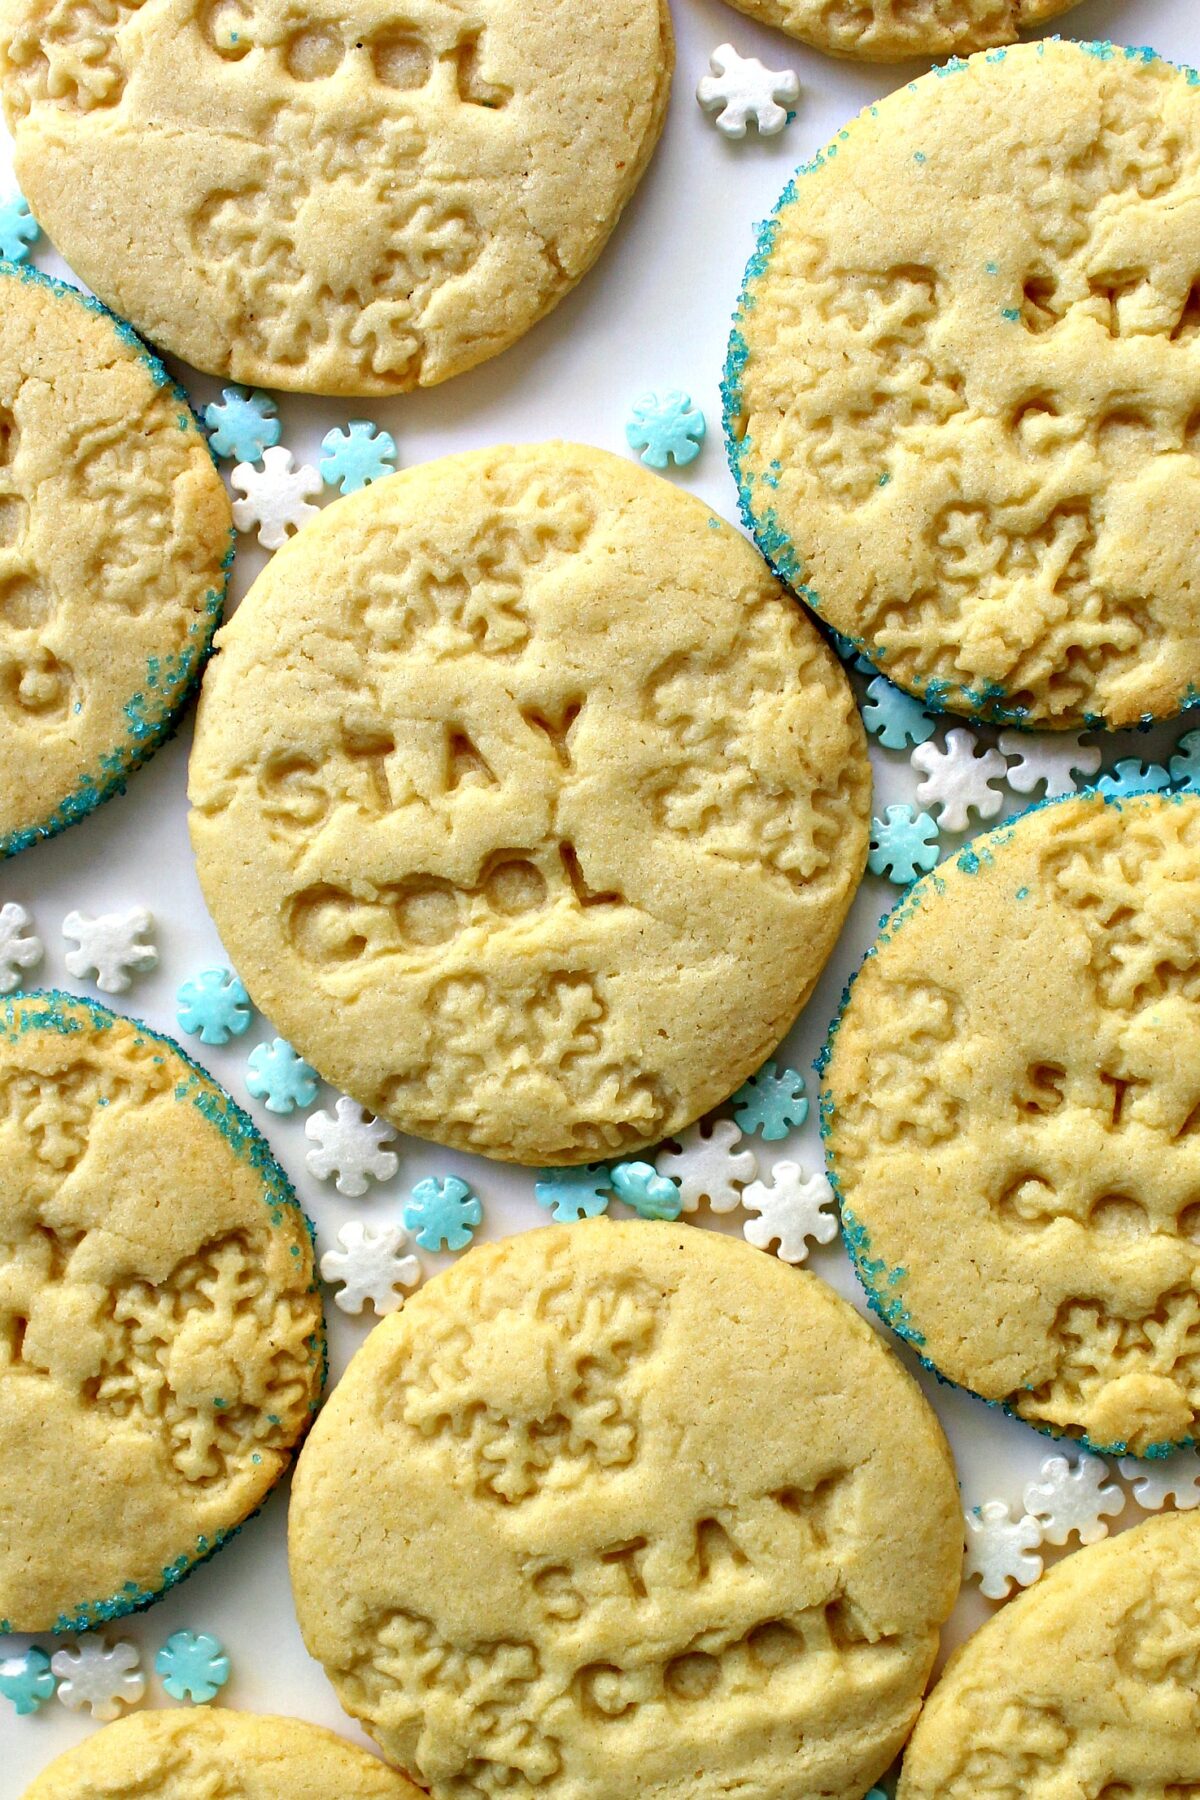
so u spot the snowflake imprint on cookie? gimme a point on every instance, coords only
(958, 780)
(741, 89)
(792, 1207)
(20, 948)
(111, 946)
(666, 428)
(242, 425)
(1165, 1480)
(350, 1144)
(1073, 1499)
(650, 1195)
(27, 1681)
(275, 498)
(582, 1192)
(369, 1267)
(279, 1078)
(193, 1666)
(1052, 761)
(709, 1166)
(213, 1006)
(443, 1213)
(1001, 1550)
(103, 1677)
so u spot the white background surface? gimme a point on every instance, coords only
(654, 313)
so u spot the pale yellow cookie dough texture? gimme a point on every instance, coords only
(114, 530)
(1012, 1105)
(889, 30)
(1089, 1684)
(342, 199)
(527, 805)
(160, 1334)
(616, 1509)
(964, 386)
(211, 1753)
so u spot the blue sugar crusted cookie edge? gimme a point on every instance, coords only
(985, 705)
(155, 707)
(54, 1009)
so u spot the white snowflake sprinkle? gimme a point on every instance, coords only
(111, 946)
(958, 781)
(792, 1210)
(350, 1147)
(369, 1267)
(1000, 1549)
(103, 1677)
(1158, 1480)
(1055, 759)
(276, 496)
(741, 88)
(1073, 1498)
(20, 948)
(709, 1167)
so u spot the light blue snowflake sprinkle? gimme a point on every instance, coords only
(26, 1680)
(279, 1078)
(771, 1103)
(242, 425)
(902, 845)
(193, 1666)
(213, 1006)
(651, 1195)
(443, 1213)
(1134, 777)
(19, 230)
(894, 717)
(666, 428)
(1185, 764)
(579, 1193)
(357, 456)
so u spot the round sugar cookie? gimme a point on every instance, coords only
(890, 30)
(337, 198)
(1012, 1116)
(627, 1508)
(115, 533)
(161, 1339)
(963, 390)
(526, 803)
(205, 1752)
(1084, 1685)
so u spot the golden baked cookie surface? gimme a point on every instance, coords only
(349, 200)
(1011, 1106)
(672, 1521)
(964, 388)
(888, 30)
(160, 1335)
(529, 808)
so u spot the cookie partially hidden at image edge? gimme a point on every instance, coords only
(963, 388)
(209, 1751)
(527, 805)
(889, 30)
(1010, 1107)
(673, 1520)
(342, 199)
(115, 537)
(1084, 1685)
(161, 1338)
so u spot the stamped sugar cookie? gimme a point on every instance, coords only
(889, 30)
(527, 805)
(208, 1752)
(1011, 1107)
(963, 390)
(114, 536)
(161, 1342)
(340, 198)
(1085, 1685)
(627, 1508)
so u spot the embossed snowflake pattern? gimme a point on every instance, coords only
(193, 1666)
(1073, 1499)
(27, 1681)
(741, 89)
(213, 1006)
(443, 1214)
(904, 844)
(275, 497)
(1001, 1550)
(101, 1676)
(350, 1144)
(958, 780)
(280, 1078)
(1185, 763)
(1133, 777)
(242, 425)
(709, 1166)
(792, 1207)
(894, 717)
(112, 947)
(356, 457)
(369, 1267)
(582, 1192)
(1164, 1481)
(771, 1103)
(1052, 762)
(19, 230)
(650, 1195)
(20, 947)
(666, 428)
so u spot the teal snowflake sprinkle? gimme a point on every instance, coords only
(213, 1006)
(443, 1213)
(902, 844)
(19, 230)
(1185, 764)
(27, 1680)
(356, 457)
(1134, 777)
(771, 1103)
(666, 428)
(279, 1078)
(193, 1666)
(579, 1193)
(894, 717)
(242, 425)
(651, 1195)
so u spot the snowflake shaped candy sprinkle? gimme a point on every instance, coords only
(650, 1195)
(904, 844)
(792, 1208)
(443, 1213)
(111, 946)
(1157, 1481)
(213, 1006)
(741, 88)
(279, 1078)
(1073, 1499)
(349, 1145)
(894, 717)
(193, 1666)
(1185, 764)
(27, 1680)
(1054, 760)
(709, 1166)
(242, 425)
(276, 497)
(19, 230)
(958, 780)
(1001, 1549)
(20, 948)
(356, 457)
(571, 1194)
(103, 1677)
(1133, 777)
(370, 1268)
(666, 428)
(771, 1103)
